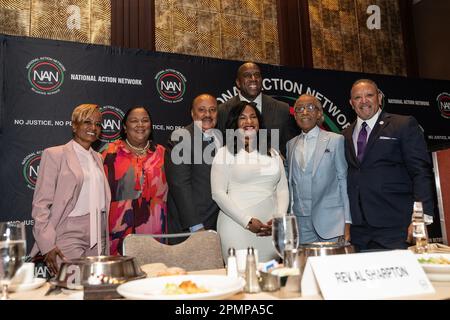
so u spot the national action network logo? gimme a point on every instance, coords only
(171, 85)
(111, 123)
(443, 101)
(30, 168)
(46, 75)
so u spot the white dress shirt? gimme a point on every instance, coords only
(91, 175)
(257, 100)
(370, 125)
(92, 195)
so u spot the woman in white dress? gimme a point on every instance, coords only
(249, 184)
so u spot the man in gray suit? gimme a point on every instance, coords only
(275, 113)
(317, 177)
(188, 160)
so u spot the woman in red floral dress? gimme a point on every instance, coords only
(134, 166)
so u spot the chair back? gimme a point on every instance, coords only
(200, 251)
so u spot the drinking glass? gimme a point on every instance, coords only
(285, 236)
(12, 252)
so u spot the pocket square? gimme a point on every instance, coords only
(387, 138)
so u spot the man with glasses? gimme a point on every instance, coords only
(388, 169)
(275, 113)
(317, 177)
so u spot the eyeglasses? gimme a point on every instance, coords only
(308, 108)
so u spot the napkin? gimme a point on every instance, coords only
(160, 269)
(152, 269)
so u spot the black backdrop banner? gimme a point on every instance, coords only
(41, 81)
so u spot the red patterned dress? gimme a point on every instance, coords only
(138, 192)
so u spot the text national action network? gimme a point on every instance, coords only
(94, 78)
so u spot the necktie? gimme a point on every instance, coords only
(362, 141)
(208, 139)
(211, 141)
(302, 152)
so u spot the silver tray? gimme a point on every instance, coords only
(97, 270)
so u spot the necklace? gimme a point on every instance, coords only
(138, 151)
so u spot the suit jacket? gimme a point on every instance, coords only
(57, 189)
(330, 205)
(394, 172)
(275, 114)
(189, 199)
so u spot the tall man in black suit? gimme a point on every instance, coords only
(275, 113)
(388, 169)
(188, 162)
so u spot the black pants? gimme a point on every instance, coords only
(365, 237)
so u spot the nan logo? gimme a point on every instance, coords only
(30, 168)
(443, 101)
(46, 75)
(111, 123)
(171, 85)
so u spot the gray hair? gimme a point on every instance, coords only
(318, 105)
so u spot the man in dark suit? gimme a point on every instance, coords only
(388, 169)
(275, 113)
(188, 162)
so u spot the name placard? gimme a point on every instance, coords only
(364, 276)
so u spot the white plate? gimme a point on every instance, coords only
(37, 282)
(438, 277)
(434, 267)
(219, 287)
(434, 271)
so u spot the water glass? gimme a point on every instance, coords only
(285, 235)
(12, 252)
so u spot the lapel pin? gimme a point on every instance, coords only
(381, 122)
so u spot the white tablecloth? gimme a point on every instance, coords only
(442, 292)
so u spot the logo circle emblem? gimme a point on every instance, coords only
(111, 123)
(443, 101)
(45, 75)
(171, 85)
(30, 168)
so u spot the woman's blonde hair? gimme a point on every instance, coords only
(83, 111)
